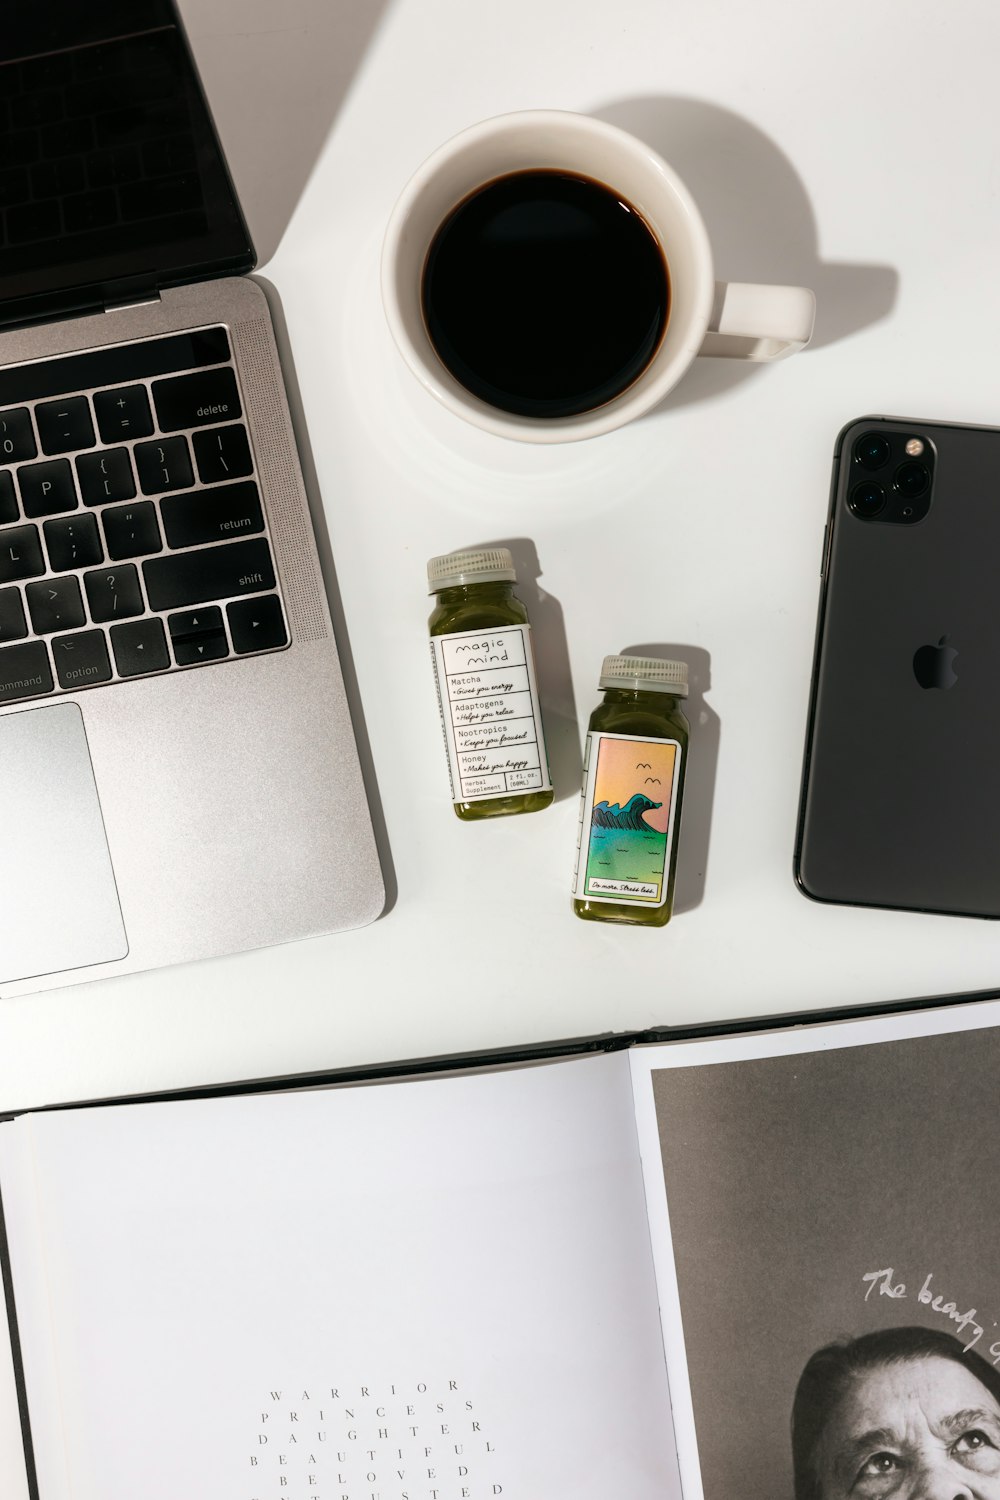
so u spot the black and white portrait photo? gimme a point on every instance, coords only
(902, 1412)
(833, 1218)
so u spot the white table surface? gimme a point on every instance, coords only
(851, 148)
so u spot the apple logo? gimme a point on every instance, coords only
(932, 665)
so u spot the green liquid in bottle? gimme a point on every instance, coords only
(486, 687)
(637, 746)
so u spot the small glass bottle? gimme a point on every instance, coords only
(633, 781)
(487, 694)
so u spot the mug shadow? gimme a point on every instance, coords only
(759, 220)
(699, 779)
(552, 669)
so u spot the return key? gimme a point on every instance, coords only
(215, 515)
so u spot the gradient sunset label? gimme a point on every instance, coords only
(626, 819)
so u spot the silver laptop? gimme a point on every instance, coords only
(178, 770)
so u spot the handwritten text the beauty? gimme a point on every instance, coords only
(964, 1322)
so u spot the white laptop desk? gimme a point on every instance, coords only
(854, 160)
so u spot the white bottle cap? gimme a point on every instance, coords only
(483, 565)
(645, 674)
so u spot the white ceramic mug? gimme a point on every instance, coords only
(738, 320)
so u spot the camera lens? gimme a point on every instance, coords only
(872, 450)
(867, 499)
(911, 479)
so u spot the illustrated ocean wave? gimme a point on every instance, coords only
(611, 815)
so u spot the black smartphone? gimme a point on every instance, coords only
(900, 801)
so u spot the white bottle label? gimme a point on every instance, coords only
(628, 813)
(489, 712)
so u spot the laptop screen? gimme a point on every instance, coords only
(111, 174)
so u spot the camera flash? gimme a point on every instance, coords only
(914, 447)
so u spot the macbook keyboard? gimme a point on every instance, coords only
(133, 540)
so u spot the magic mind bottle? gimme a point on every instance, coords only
(633, 780)
(487, 694)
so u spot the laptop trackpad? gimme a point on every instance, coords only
(58, 900)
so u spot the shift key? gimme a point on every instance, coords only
(225, 572)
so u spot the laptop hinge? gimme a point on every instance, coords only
(130, 291)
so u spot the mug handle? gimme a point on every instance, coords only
(759, 322)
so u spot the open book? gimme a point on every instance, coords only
(599, 1276)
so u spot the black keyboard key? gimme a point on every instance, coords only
(15, 187)
(20, 554)
(21, 147)
(196, 400)
(257, 624)
(34, 221)
(52, 179)
(139, 647)
(132, 530)
(212, 515)
(64, 426)
(73, 542)
(222, 453)
(67, 137)
(205, 619)
(13, 625)
(113, 166)
(217, 573)
(105, 476)
(17, 438)
(8, 498)
(82, 659)
(47, 488)
(113, 594)
(123, 413)
(24, 671)
(163, 466)
(55, 604)
(197, 635)
(36, 108)
(83, 211)
(118, 364)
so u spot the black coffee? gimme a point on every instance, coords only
(545, 293)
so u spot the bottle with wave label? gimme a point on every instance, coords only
(633, 781)
(487, 693)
